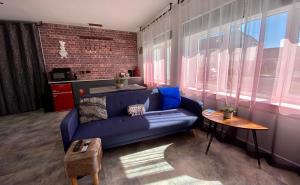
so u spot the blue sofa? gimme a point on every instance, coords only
(120, 129)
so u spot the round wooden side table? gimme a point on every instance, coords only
(216, 118)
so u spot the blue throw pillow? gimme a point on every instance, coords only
(170, 97)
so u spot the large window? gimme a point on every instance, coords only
(274, 36)
(291, 85)
(161, 58)
(257, 55)
(156, 41)
(202, 59)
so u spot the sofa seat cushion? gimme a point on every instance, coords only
(126, 125)
(111, 127)
(165, 118)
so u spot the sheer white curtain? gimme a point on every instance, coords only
(241, 51)
(245, 53)
(156, 42)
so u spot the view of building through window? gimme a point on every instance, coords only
(207, 49)
(162, 60)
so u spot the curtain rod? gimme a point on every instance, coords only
(170, 8)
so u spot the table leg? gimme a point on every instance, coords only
(208, 129)
(74, 181)
(211, 137)
(256, 147)
(194, 132)
(222, 130)
(96, 179)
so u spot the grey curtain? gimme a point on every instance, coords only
(22, 72)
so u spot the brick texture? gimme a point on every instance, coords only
(103, 58)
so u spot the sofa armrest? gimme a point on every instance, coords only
(68, 127)
(193, 106)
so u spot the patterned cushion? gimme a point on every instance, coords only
(134, 110)
(93, 108)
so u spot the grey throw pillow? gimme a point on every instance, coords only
(93, 108)
(135, 110)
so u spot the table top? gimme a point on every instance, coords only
(235, 121)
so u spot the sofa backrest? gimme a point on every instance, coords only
(117, 102)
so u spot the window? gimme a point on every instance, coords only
(275, 30)
(275, 33)
(161, 62)
(201, 53)
(214, 58)
(190, 60)
(254, 54)
(293, 92)
(156, 41)
(295, 82)
(250, 45)
(157, 59)
(299, 39)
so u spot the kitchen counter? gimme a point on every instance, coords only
(84, 87)
(106, 89)
(75, 81)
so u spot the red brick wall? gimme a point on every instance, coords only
(108, 57)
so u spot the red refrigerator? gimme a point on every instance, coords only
(62, 96)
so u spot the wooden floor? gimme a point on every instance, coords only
(32, 153)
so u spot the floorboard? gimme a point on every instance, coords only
(32, 153)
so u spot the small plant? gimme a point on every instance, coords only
(228, 109)
(119, 80)
(228, 112)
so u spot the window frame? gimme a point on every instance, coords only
(287, 97)
(280, 78)
(165, 48)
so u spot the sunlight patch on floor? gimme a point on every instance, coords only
(146, 162)
(183, 180)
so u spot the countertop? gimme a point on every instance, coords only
(74, 81)
(106, 89)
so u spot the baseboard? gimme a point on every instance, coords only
(269, 152)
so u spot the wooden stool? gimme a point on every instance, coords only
(86, 163)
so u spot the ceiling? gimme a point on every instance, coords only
(125, 15)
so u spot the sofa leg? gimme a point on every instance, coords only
(194, 131)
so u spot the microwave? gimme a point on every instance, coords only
(61, 74)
